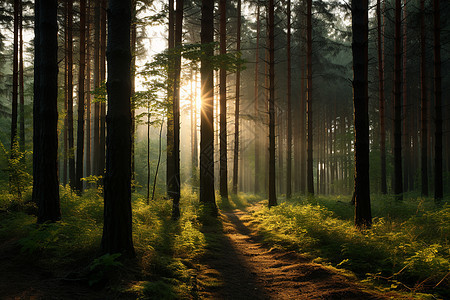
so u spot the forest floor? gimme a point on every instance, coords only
(235, 265)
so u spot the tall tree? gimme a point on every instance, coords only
(96, 129)
(175, 182)
(237, 104)
(117, 229)
(438, 184)
(360, 29)
(71, 145)
(223, 174)
(21, 82)
(398, 186)
(309, 115)
(45, 112)
(381, 99)
(81, 94)
(289, 105)
(103, 34)
(133, 89)
(423, 103)
(88, 89)
(271, 50)
(207, 109)
(257, 131)
(15, 87)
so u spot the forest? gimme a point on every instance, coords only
(241, 149)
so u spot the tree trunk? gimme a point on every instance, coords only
(424, 104)
(175, 184)
(438, 184)
(21, 82)
(71, 153)
(257, 123)
(406, 148)
(398, 186)
(117, 229)
(96, 141)
(66, 96)
(223, 174)
(170, 172)
(15, 90)
(237, 104)
(271, 29)
(45, 114)
(88, 89)
(360, 30)
(81, 75)
(102, 147)
(289, 112)
(381, 100)
(207, 196)
(309, 121)
(133, 90)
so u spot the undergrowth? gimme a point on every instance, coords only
(408, 247)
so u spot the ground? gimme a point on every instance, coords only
(236, 265)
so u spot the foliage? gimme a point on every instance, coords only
(408, 243)
(102, 266)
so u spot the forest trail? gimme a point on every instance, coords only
(243, 268)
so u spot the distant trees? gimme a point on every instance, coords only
(117, 236)
(45, 113)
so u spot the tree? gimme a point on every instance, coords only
(398, 186)
(15, 92)
(381, 100)
(207, 196)
(360, 25)
(45, 113)
(223, 174)
(423, 104)
(438, 184)
(81, 74)
(237, 104)
(174, 186)
(21, 82)
(309, 115)
(289, 112)
(271, 50)
(117, 229)
(257, 131)
(71, 154)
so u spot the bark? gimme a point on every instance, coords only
(237, 104)
(223, 174)
(175, 183)
(424, 104)
(302, 124)
(309, 120)
(15, 87)
(271, 23)
(289, 105)
(360, 30)
(66, 95)
(438, 184)
(88, 89)
(257, 124)
(96, 130)
(207, 196)
(21, 83)
(102, 147)
(81, 94)
(117, 236)
(133, 89)
(170, 172)
(381, 100)
(406, 148)
(45, 113)
(398, 186)
(71, 145)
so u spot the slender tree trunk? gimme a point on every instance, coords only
(289, 105)
(360, 30)
(45, 115)
(381, 100)
(133, 90)
(438, 184)
(302, 123)
(271, 29)
(71, 154)
(398, 186)
(223, 174)
(170, 172)
(159, 160)
(175, 185)
(15, 90)
(207, 109)
(195, 138)
(406, 148)
(21, 83)
(88, 89)
(117, 236)
(237, 104)
(66, 96)
(309, 169)
(424, 104)
(96, 141)
(257, 123)
(81, 75)
(148, 145)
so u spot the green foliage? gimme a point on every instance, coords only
(102, 266)
(99, 93)
(19, 178)
(408, 244)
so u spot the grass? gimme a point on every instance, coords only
(407, 248)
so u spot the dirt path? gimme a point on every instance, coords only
(243, 268)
